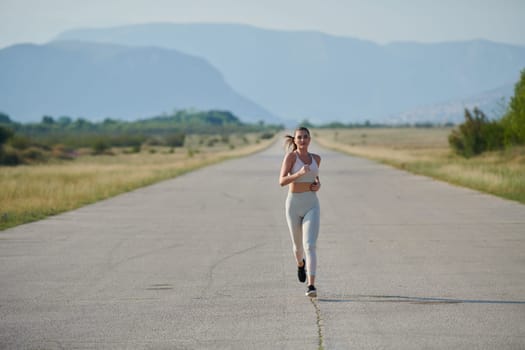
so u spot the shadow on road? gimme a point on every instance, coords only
(413, 300)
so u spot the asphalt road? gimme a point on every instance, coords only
(204, 261)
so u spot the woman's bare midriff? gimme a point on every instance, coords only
(298, 187)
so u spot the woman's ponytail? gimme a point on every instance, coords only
(289, 143)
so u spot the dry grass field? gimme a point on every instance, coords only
(32, 192)
(425, 151)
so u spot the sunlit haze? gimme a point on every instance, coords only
(380, 21)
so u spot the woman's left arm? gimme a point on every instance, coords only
(316, 186)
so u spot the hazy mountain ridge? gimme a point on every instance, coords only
(96, 80)
(492, 103)
(300, 74)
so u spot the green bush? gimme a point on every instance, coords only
(267, 135)
(10, 158)
(154, 141)
(20, 142)
(33, 154)
(211, 142)
(101, 146)
(476, 135)
(175, 139)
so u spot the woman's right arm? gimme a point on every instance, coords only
(285, 178)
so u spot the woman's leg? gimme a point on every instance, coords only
(311, 224)
(294, 221)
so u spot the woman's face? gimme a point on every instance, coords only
(302, 139)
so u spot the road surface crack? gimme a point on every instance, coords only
(319, 322)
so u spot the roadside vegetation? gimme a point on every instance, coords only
(51, 169)
(478, 134)
(482, 154)
(425, 151)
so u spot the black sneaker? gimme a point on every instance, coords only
(311, 291)
(301, 272)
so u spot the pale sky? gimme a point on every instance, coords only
(381, 21)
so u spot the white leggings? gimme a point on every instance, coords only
(302, 215)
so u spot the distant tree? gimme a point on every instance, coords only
(424, 125)
(48, 120)
(4, 118)
(82, 124)
(334, 125)
(214, 117)
(5, 157)
(514, 121)
(5, 134)
(306, 123)
(64, 121)
(109, 121)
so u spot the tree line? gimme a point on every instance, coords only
(24, 142)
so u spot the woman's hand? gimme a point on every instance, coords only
(315, 186)
(304, 170)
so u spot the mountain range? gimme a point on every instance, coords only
(96, 81)
(285, 75)
(300, 74)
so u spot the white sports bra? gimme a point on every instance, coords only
(311, 175)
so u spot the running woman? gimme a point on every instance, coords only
(300, 170)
